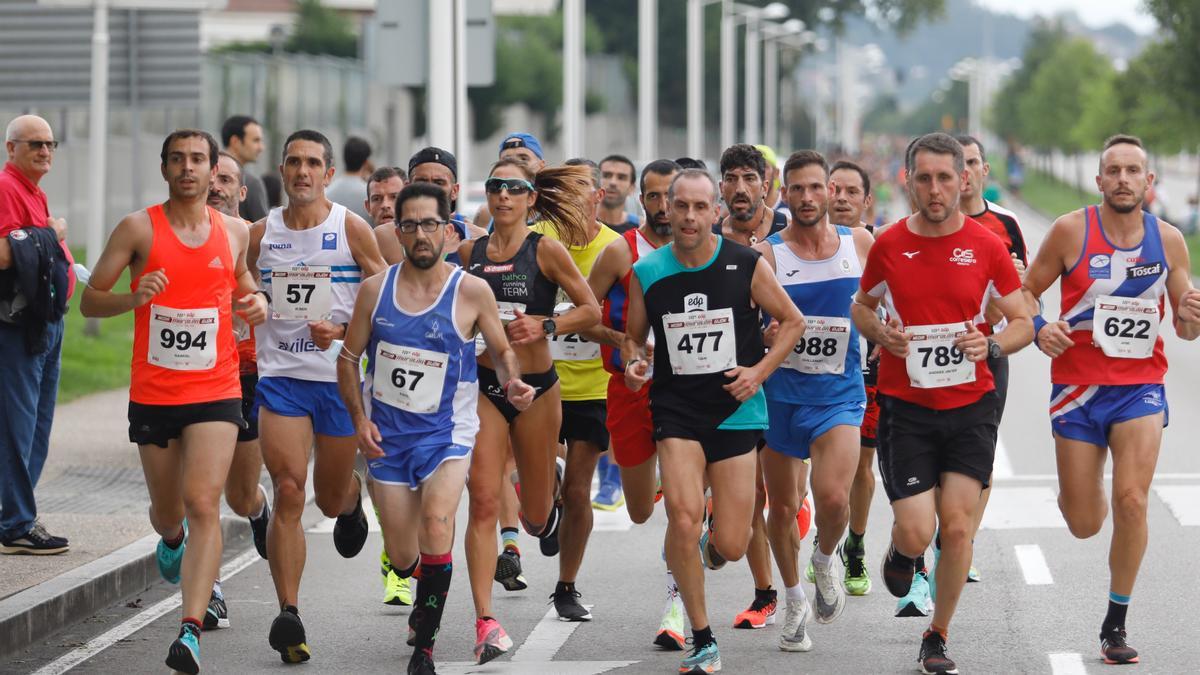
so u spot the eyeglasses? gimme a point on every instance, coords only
(36, 146)
(515, 186)
(428, 225)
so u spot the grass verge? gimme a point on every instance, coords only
(94, 363)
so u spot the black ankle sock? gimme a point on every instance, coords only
(853, 539)
(920, 562)
(767, 594)
(897, 556)
(291, 608)
(176, 542)
(1115, 617)
(564, 587)
(407, 571)
(431, 599)
(702, 637)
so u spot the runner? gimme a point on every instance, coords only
(702, 298)
(816, 400)
(619, 176)
(414, 323)
(1004, 224)
(1116, 264)
(584, 388)
(383, 187)
(187, 265)
(311, 256)
(936, 270)
(437, 166)
(244, 494)
(523, 148)
(630, 429)
(525, 271)
(743, 187)
(850, 199)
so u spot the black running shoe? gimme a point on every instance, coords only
(933, 655)
(897, 574)
(350, 530)
(421, 663)
(287, 637)
(217, 615)
(184, 653)
(566, 603)
(549, 542)
(1113, 648)
(258, 526)
(508, 571)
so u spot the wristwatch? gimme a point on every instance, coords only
(548, 327)
(994, 351)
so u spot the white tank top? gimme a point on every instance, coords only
(285, 346)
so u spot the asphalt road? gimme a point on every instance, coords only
(1037, 610)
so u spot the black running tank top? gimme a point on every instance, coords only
(517, 280)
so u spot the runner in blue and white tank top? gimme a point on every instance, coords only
(816, 399)
(311, 258)
(415, 323)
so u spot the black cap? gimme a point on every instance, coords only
(437, 156)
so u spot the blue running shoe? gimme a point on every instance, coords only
(918, 601)
(609, 497)
(708, 555)
(706, 659)
(184, 654)
(171, 559)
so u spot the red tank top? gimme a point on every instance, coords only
(184, 349)
(615, 307)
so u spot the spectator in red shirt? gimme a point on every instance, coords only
(28, 383)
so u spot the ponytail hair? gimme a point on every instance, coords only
(562, 198)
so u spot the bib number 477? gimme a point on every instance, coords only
(687, 339)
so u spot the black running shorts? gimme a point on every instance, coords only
(160, 424)
(584, 421)
(718, 444)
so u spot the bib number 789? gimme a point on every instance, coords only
(942, 355)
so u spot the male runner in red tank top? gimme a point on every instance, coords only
(187, 263)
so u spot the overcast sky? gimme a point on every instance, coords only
(1093, 13)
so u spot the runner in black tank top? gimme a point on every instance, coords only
(524, 270)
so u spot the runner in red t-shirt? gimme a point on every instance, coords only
(936, 271)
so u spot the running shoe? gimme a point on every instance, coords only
(857, 580)
(829, 599)
(933, 657)
(549, 543)
(702, 660)
(808, 571)
(759, 614)
(412, 636)
(795, 634)
(421, 663)
(566, 603)
(973, 575)
(184, 653)
(609, 497)
(708, 553)
(490, 640)
(897, 575)
(217, 615)
(508, 570)
(350, 529)
(171, 559)
(287, 636)
(258, 526)
(1113, 648)
(918, 601)
(670, 630)
(398, 591)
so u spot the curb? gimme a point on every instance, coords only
(42, 610)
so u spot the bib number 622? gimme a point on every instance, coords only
(1127, 328)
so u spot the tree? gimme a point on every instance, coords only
(1058, 97)
(1043, 41)
(1155, 107)
(1180, 20)
(322, 30)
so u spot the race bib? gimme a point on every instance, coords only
(572, 346)
(508, 310)
(933, 360)
(1125, 328)
(699, 343)
(822, 349)
(302, 293)
(183, 339)
(408, 378)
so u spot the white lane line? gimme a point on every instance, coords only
(1001, 466)
(547, 637)
(136, 622)
(1183, 502)
(1064, 663)
(1033, 564)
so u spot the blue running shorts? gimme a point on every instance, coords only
(1087, 412)
(794, 427)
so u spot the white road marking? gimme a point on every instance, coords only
(536, 654)
(1016, 508)
(1064, 663)
(137, 622)
(1183, 501)
(1001, 465)
(325, 526)
(1033, 564)
(611, 521)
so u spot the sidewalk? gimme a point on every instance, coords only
(91, 491)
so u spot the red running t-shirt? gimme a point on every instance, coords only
(930, 281)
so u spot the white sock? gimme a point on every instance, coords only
(796, 593)
(262, 508)
(822, 560)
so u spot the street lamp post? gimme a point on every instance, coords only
(773, 35)
(647, 79)
(572, 77)
(751, 98)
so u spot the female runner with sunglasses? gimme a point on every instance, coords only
(525, 271)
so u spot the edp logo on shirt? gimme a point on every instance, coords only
(695, 302)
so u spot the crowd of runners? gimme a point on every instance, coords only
(748, 343)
